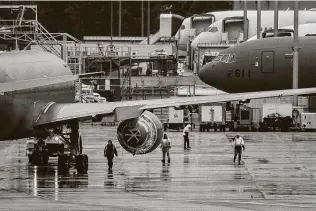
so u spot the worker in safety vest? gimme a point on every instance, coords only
(238, 143)
(186, 131)
(165, 146)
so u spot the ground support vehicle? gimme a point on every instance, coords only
(64, 144)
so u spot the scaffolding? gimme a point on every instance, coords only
(21, 30)
(19, 24)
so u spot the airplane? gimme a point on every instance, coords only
(232, 26)
(263, 64)
(308, 29)
(194, 25)
(38, 110)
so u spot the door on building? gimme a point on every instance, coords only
(267, 61)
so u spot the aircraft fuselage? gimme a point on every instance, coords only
(20, 109)
(262, 65)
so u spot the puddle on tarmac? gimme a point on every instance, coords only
(263, 160)
(240, 177)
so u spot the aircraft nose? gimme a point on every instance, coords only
(204, 72)
(208, 75)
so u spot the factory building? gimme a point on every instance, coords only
(138, 68)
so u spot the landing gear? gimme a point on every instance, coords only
(63, 163)
(75, 158)
(82, 164)
(39, 157)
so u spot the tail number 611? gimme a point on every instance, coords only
(238, 73)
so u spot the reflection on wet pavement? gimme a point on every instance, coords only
(165, 172)
(276, 167)
(44, 181)
(109, 180)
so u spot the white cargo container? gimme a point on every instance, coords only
(212, 113)
(308, 120)
(256, 115)
(175, 116)
(284, 109)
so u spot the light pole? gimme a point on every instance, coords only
(120, 19)
(142, 18)
(148, 22)
(295, 53)
(258, 19)
(245, 22)
(111, 20)
(276, 18)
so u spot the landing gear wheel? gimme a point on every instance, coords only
(82, 164)
(45, 158)
(36, 159)
(87, 161)
(63, 164)
(80, 145)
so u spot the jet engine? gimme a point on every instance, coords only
(140, 135)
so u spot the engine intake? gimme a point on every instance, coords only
(141, 135)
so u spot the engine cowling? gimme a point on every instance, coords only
(141, 135)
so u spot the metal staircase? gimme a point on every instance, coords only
(125, 85)
(27, 29)
(47, 41)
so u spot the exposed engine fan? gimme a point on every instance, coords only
(141, 135)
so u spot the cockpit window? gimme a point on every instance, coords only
(213, 29)
(224, 58)
(232, 58)
(218, 58)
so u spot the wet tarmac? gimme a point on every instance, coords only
(278, 173)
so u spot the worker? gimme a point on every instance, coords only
(238, 143)
(109, 152)
(186, 131)
(165, 146)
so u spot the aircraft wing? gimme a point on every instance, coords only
(34, 83)
(58, 112)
